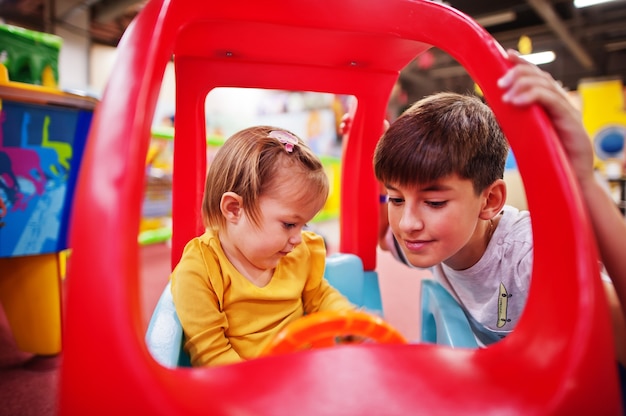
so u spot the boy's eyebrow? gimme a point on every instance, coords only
(436, 187)
(430, 187)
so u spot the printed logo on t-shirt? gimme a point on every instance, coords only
(503, 302)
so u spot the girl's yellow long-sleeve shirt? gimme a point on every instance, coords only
(226, 318)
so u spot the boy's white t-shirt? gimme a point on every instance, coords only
(493, 291)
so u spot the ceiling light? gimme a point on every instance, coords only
(586, 3)
(539, 58)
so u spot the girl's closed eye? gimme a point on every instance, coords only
(289, 225)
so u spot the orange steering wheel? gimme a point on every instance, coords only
(329, 328)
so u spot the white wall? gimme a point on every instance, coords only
(74, 55)
(86, 67)
(102, 60)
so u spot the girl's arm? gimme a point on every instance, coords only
(198, 309)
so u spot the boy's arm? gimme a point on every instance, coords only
(617, 322)
(610, 230)
(526, 84)
(383, 220)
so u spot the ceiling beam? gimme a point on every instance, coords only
(547, 13)
(107, 12)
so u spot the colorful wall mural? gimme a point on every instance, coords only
(40, 151)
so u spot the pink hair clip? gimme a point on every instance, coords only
(286, 138)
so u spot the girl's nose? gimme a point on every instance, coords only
(295, 238)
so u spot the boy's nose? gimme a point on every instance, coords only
(411, 221)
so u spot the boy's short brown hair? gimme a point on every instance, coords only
(439, 135)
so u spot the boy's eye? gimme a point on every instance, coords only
(395, 201)
(436, 204)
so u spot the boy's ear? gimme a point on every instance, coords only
(495, 198)
(231, 206)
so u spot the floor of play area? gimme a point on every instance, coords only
(28, 384)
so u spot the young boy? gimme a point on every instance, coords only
(442, 164)
(447, 146)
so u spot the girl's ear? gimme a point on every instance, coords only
(231, 206)
(494, 199)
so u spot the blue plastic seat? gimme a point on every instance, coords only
(345, 273)
(165, 338)
(443, 320)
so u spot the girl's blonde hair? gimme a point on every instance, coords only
(248, 164)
